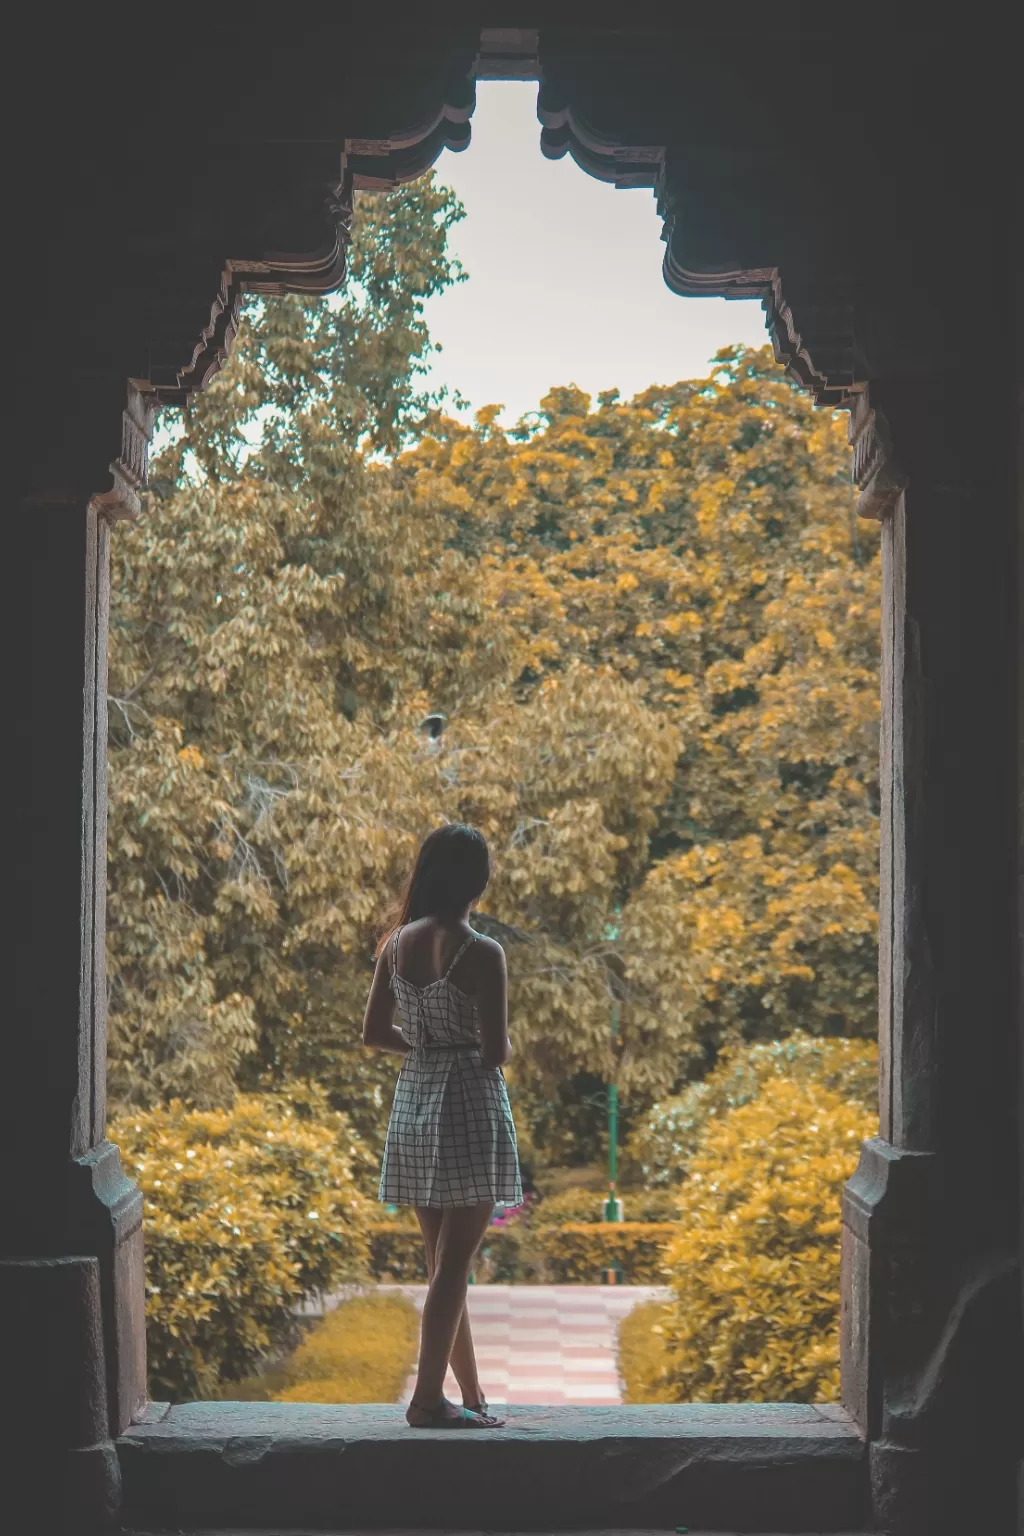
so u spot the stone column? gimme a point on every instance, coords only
(71, 1272)
(930, 1327)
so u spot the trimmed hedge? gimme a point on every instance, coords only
(576, 1204)
(504, 1257)
(579, 1252)
(396, 1250)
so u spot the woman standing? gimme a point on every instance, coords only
(439, 996)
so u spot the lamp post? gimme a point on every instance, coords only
(613, 1205)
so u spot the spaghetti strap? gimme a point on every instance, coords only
(458, 955)
(394, 954)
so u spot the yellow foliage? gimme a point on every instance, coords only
(579, 1252)
(247, 1212)
(642, 1360)
(583, 1205)
(396, 1247)
(652, 626)
(663, 1142)
(362, 1352)
(754, 1266)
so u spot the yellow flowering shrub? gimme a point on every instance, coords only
(247, 1211)
(660, 1149)
(754, 1266)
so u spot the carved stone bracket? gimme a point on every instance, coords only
(876, 470)
(131, 466)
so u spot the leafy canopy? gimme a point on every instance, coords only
(652, 626)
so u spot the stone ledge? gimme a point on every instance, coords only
(408, 1531)
(749, 1467)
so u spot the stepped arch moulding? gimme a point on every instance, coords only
(811, 326)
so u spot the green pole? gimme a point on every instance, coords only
(611, 1210)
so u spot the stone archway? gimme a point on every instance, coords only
(735, 130)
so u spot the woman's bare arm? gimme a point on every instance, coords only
(492, 1003)
(379, 1031)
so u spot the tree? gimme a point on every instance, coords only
(696, 545)
(263, 631)
(652, 629)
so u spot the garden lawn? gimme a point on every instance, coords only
(361, 1352)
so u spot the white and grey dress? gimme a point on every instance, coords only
(451, 1140)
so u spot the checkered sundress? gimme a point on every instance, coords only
(451, 1139)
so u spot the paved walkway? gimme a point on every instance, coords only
(545, 1343)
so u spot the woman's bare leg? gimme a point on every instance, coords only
(463, 1356)
(458, 1239)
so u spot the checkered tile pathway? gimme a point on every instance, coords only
(545, 1343)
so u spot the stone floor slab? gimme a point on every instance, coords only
(748, 1466)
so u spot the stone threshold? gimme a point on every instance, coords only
(787, 1468)
(410, 1531)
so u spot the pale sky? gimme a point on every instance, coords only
(565, 281)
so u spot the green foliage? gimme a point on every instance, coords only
(661, 1148)
(247, 1212)
(754, 1264)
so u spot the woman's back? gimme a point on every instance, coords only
(429, 949)
(433, 1010)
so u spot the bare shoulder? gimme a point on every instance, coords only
(484, 963)
(489, 954)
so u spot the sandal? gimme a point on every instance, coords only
(441, 1417)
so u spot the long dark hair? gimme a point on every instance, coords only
(452, 869)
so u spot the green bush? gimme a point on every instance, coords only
(579, 1252)
(660, 1149)
(248, 1211)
